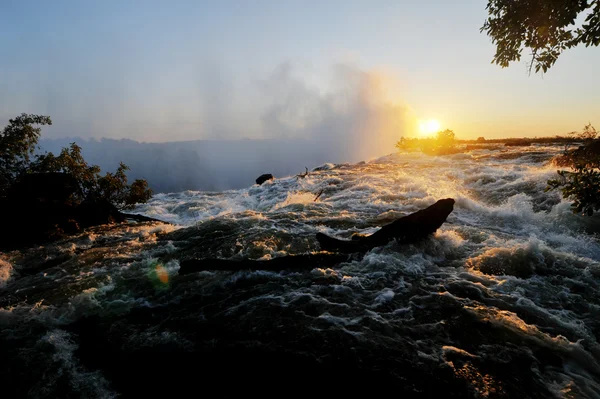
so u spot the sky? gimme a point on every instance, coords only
(186, 70)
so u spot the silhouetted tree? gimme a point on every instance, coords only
(445, 139)
(588, 133)
(480, 139)
(414, 144)
(546, 27)
(582, 185)
(69, 161)
(402, 144)
(443, 144)
(18, 143)
(114, 188)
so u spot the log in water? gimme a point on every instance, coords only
(501, 301)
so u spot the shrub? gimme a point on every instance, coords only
(408, 144)
(444, 143)
(582, 184)
(18, 143)
(445, 139)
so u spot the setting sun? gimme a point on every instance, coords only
(429, 126)
(406, 193)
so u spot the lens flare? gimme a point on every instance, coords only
(158, 275)
(162, 274)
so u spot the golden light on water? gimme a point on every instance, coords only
(429, 126)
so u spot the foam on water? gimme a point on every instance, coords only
(510, 255)
(5, 272)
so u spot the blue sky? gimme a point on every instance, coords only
(180, 70)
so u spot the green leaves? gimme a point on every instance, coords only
(111, 187)
(443, 143)
(582, 185)
(546, 27)
(18, 142)
(445, 139)
(114, 188)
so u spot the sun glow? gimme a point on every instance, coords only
(429, 126)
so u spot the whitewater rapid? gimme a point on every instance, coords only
(502, 300)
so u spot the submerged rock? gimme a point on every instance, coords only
(263, 178)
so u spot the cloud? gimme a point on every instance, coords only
(302, 118)
(355, 118)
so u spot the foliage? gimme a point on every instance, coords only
(408, 144)
(21, 145)
(546, 27)
(589, 133)
(18, 142)
(70, 161)
(445, 139)
(582, 185)
(443, 143)
(480, 139)
(114, 188)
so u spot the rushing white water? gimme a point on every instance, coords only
(510, 256)
(518, 246)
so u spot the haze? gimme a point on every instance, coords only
(349, 76)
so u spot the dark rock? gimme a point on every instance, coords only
(263, 178)
(41, 207)
(407, 229)
(96, 212)
(140, 218)
(38, 208)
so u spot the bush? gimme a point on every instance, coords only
(18, 143)
(114, 188)
(582, 184)
(408, 144)
(444, 143)
(445, 139)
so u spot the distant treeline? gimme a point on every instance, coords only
(445, 142)
(580, 182)
(523, 140)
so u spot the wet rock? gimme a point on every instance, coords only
(263, 178)
(38, 208)
(407, 229)
(96, 212)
